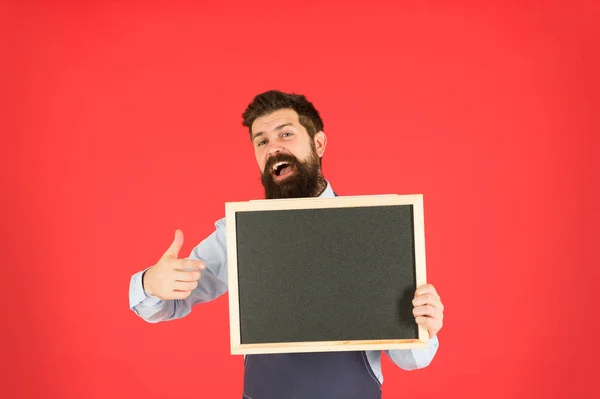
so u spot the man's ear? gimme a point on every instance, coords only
(320, 140)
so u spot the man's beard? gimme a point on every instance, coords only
(306, 179)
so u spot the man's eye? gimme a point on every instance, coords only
(286, 134)
(261, 143)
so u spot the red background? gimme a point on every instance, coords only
(120, 122)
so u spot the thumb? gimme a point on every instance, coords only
(173, 251)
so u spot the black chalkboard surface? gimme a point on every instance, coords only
(317, 274)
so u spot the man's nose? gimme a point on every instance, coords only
(274, 149)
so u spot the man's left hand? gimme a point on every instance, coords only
(428, 309)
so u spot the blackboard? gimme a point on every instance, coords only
(325, 274)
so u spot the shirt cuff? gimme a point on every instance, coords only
(423, 357)
(137, 295)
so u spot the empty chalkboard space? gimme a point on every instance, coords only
(325, 274)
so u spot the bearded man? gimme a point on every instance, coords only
(289, 143)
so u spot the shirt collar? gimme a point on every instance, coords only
(328, 192)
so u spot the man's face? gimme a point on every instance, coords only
(289, 160)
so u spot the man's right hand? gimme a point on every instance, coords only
(173, 278)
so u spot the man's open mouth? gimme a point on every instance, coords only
(281, 170)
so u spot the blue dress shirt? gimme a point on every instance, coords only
(213, 252)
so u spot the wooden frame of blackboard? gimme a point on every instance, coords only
(232, 208)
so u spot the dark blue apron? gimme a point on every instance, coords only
(325, 375)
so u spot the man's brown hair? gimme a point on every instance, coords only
(274, 100)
